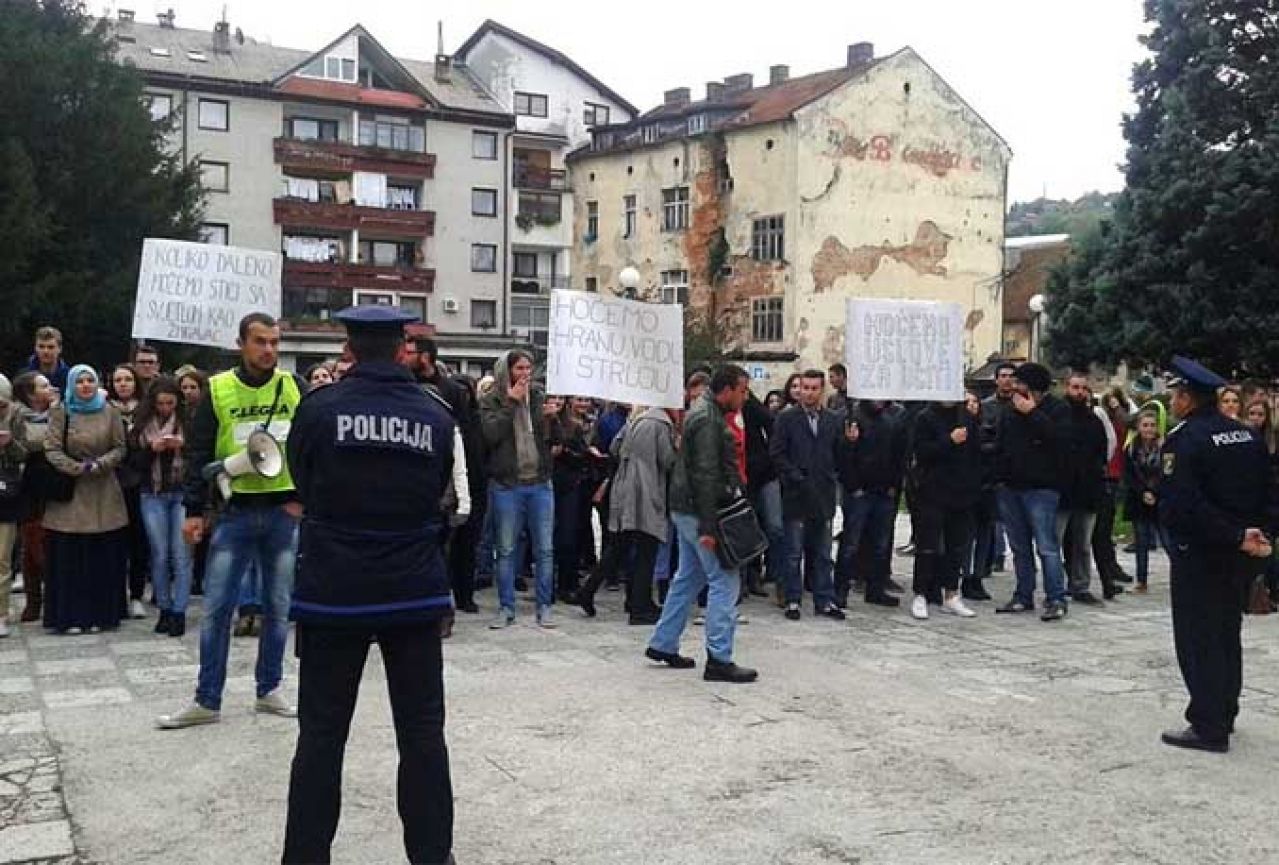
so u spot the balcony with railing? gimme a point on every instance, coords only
(343, 157)
(537, 286)
(299, 213)
(366, 277)
(536, 177)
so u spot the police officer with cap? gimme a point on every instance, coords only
(1212, 503)
(371, 456)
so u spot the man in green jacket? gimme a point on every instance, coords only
(513, 417)
(705, 479)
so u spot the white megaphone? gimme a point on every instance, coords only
(261, 456)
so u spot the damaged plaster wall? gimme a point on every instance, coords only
(607, 179)
(900, 194)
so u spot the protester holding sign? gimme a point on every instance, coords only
(616, 349)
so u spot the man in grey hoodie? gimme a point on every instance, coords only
(513, 418)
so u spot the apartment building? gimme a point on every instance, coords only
(556, 103)
(383, 180)
(764, 208)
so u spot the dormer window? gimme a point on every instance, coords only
(652, 133)
(697, 123)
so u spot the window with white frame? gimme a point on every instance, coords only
(595, 114)
(534, 318)
(311, 129)
(413, 304)
(674, 286)
(768, 238)
(675, 208)
(651, 133)
(531, 104)
(392, 133)
(215, 233)
(160, 105)
(767, 320)
(697, 123)
(592, 220)
(483, 202)
(483, 258)
(484, 314)
(483, 145)
(215, 115)
(628, 211)
(215, 176)
(524, 264)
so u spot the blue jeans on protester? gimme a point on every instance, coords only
(767, 502)
(267, 536)
(486, 556)
(1030, 518)
(868, 518)
(1146, 534)
(698, 568)
(530, 506)
(250, 601)
(809, 539)
(163, 515)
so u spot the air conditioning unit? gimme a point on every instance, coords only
(451, 304)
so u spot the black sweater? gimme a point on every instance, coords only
(1029, 447)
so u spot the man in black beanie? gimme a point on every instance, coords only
(1028, 470)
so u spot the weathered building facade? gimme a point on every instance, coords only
(766, 208)
(1029, 262)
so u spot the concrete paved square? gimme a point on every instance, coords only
(877, 740)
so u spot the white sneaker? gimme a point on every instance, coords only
(505, 618)
(136, 610)
(544, 619)
(919, 607)
(743, 619)
(956, 607)
(699, 619)
(275, 704)
(192, 716)
(4, 628)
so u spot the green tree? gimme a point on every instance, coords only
(84, 177)
(1191, 263)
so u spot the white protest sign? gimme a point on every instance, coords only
(909, 350)
(196, 293)
(616, 349)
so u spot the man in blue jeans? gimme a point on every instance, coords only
(1029, 472)
(260, 523)
(513, 418)
(705, 478)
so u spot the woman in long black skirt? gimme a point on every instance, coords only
(88, 554)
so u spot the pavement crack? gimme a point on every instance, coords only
(499, 767)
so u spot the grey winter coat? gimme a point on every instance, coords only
(646, 454)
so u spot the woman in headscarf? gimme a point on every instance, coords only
(87, 546)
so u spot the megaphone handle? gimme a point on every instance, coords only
(224, 486)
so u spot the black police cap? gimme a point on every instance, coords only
(374, 318)
(1193, 375)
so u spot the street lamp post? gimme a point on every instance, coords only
(1037, 319)
(628, 281)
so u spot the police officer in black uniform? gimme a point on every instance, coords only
(1212, 502)
(371, 457)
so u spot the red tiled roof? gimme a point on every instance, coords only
(769, 103)
(338, 91)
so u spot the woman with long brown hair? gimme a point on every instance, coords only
(158, 439)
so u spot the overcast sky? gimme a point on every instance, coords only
(1052, 77)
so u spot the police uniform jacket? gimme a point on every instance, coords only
(371, 457)
(1215, 483)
